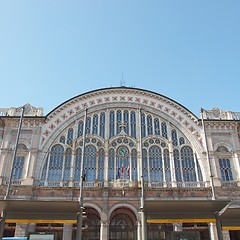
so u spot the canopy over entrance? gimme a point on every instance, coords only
(39, 211)
(194, 211)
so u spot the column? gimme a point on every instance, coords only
(172, 165)
(31, 227)
(177, 227)
(226, 235)
(104, 230)
(21, 229)
(67, 231)
(138, 230)
(144, 226)
(213, 231)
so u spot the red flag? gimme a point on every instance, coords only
(122, 169)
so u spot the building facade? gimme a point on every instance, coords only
(145, 166)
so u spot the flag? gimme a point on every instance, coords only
(128, 171)
(122, 169)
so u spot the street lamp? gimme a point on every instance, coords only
(25, 108)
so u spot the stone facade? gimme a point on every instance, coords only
(101, 125)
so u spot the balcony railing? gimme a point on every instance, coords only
(229, 183)
(120, 183)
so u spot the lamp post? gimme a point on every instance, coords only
(80, 213)
(24, 108)
(14, 153)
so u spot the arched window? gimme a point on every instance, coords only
(178, 167)
(174, 138)
(18, 167)
(101, 165)
(119, 121)
(70, 136)
(102, 125)
(126, 121)
(112, 121)
(226, 170)
(167, 165)
(56, 163)
(134, 165)
(157, 126)
(188, 165)
(111, 165)
(149, 125)
(88, 125)
(67, 164)
(143, 125)
(164, 130)
(78, 160)
(90, 163)
(145, 164)
(95, 124)
(155, 164)
(80, 128)
(133, 124)
(122, 227)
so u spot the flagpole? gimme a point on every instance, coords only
(80, 213)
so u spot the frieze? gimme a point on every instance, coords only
(73, 106)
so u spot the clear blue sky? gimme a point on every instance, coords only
(187, 50)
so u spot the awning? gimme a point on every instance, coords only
(230, 217)
(38, 211)
(183, 209)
